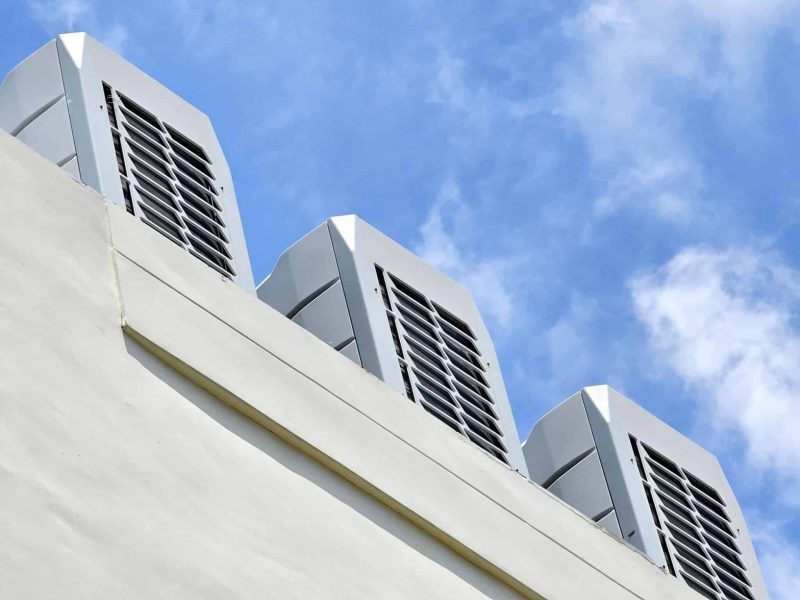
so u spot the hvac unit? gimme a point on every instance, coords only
(140, 145)
(645, 482)
(402, 320)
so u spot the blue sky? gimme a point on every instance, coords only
(616, 181)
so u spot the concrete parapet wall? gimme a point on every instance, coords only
(164, 434)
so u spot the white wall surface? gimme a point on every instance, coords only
(163, 434)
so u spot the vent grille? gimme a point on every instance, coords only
(696, 533)
(441, 364)
(167, 181)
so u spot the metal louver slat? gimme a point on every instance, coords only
(196, 162)
(483, 408)
(454, 321)
(484, 421)
(430, 355)
(481, 400)
(726, 557)
(408, 316)
(441, 353)
(482, 443)
(162, 208)
(433, 367)
(147, 143)
(418, 309)
(155, 179)
(197, 190)
(201, 246)
(731, 586)
(668, 488)
(142, 150)
(456, 346)
(155, 221)
(467, 367)
(442, 406)
(143, 127)
(440, 415)
(184, 141)
(706, 489)
(430, 383)
(198, 219)
(695, 546)
(708, 503)
(466, 378)
(421, 337)
(174, 190)
(210, 263)
(200, 177)
(484, 432)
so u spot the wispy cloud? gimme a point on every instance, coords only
(474, 103)
(60, 13)
(569, 339)
(445, 243)
(778, 558)
(634, 69)
(62, 16)
(726, 323)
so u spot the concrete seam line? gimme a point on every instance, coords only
(114, 267)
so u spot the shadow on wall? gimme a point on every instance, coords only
(320, 476)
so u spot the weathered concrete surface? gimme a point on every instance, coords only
(217, 450)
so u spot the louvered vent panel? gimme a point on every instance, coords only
(441, 364)
(696, 533)
(168, 182)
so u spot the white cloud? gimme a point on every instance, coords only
(727, 324)
(634, 67)
(778, 559)
(115, 37)
(62, 16)
(231, 21)
(60, 13)
(450, 89)
(445, 244)
(569, 339)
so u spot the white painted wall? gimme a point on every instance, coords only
(163, 434)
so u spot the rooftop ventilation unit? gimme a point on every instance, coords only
(402, 320)
(120, 132)
(643, 481)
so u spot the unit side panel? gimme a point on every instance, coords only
(630, 504)
(557, 440)
(584, 488)
(365, 306)
(92, 138)
(351, 352)
(71, 167)
(610, 523)
(31, 87)
(326, 317)
(50, 134)
(301, 272)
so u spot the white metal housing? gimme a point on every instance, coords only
(645, 482)
(402, 320)
(143, 147)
